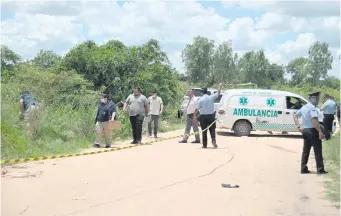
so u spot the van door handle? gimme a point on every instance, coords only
(287, 113)
(279, 112)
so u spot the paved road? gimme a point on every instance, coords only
(172, 179)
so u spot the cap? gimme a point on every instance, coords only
(315, 94)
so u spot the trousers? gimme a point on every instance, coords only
(311, 139)
(31, 119)
(328, 125)
(136, 126)
(100, 128)
(190, 122)
(205, 121)
(153, 119)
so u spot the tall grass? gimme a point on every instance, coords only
(332, 163)
(67, 115)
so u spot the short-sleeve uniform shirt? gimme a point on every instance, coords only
(308, 112)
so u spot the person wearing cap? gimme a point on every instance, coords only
(29, 110)
(138, 109)
(156, 109)
(312, 133)
(105, 113)
(205, 107)
(328, 108)
(190, 121)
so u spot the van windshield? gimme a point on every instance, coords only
(197, 92)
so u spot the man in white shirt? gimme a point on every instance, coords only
(190, 122)
(156, 109)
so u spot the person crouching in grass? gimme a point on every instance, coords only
(105, 113)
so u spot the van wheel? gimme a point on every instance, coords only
(242, 128)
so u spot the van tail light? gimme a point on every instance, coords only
(221, 112)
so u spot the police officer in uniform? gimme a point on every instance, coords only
(205, 107)
(312, 133)
(328, 108)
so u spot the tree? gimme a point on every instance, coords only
(223, 64)
(297, 68)
(320, 61)
(331, 82)
(117, 69)
(198, 59)
(46, 59)
(8, 57)
(275, 74)
(253, 67)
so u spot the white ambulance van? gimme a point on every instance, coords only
(246, 110)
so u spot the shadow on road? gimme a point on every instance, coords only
(292, 136)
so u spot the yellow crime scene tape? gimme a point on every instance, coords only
(23, 160)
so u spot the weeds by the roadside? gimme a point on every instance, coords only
(67, 115)
(332, 159)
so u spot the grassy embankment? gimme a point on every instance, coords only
(331, 150)
(67, 115)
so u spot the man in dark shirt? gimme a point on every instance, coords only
(29, 111)
(106, 112)
(27, 105)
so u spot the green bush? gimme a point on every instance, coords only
(67, 115)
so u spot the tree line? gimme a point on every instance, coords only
(118, 68)
(112, 67)
(206, 62)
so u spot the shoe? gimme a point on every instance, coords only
(155, 136)
(196, 141)
(96, 145)
(138, 142)
(322, 172)
(183, 141)
(108, 146)
(214, 143)
(204, 147)
(149, 135)
(133, 142)
(305, 171)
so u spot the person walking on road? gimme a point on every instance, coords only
(138, 109)
(106, 112)
(328, 108)
(312, 133)
(156, 109)
(205, 107)
(190, 121)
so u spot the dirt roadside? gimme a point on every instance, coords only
(169, 178)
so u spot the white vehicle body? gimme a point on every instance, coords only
(198, 93)
(244, 110)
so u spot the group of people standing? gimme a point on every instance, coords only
(138, 108)
(201, 110)
(311, 130)
(197, 110)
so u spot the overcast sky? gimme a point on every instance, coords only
(284, 29)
